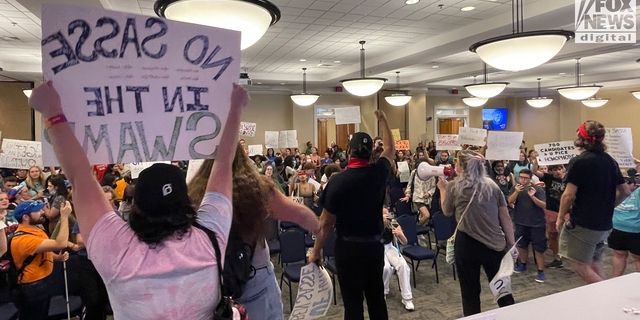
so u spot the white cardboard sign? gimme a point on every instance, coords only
(247, 129)
(503, 145)
(619, 143)
(138, 88)
(472, 136)
(501, 283)
(288, 139)
(447, 142)
(315, 293)
(194, 166)
(271, 139)
(255, 149)
(137, 167)
(405, 173)
(556, 152)
(20, 154)
(347, 115)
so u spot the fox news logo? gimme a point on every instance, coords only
(605, 21)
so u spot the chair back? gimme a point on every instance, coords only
(395, 194)
(292, 248)
(329, 248)
(56, 279)
(273, 228)
(403, 208)
(408, 224)
(443, 226)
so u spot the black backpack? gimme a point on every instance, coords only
(9, 273)
(238, 269)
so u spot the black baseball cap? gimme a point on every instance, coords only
(362, 144)
(161, 187)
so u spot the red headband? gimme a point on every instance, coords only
(582, 131)
(302, 172)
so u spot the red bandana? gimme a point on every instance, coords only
(585, 135)
(357, 163)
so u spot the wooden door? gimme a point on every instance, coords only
(343, 131)
(450, 125)
(322, 136)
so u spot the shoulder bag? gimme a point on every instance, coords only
(450, 257)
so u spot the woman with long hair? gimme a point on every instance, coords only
(268, 172)
(485, 229)
(289, 168)
(315, 158)
(59, 195)
(17, 195)
(304, 189)
(270, 156)
(431, 150)
(256, 198)
(35, 182)
(522, 163)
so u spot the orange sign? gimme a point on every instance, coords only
(402, 145)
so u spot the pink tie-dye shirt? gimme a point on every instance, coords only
(178, 279)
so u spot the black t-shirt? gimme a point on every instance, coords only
(355, 197)
(503, 184)
(387, 235)
(554, 187)
(597, 176)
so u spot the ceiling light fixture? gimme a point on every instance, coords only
(474, 101)
(398, 99)
(636, 94)
(304, 99)
(521, 50)
(594, 102)
(303, 60)
(251, 17)
(578, 92)
(486, 89)
(467, 8)
(363, 86)
(411, 1)
(27, 92)
(540, 101)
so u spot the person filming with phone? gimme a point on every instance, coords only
(393, 260)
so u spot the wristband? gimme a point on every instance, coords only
(54, 120)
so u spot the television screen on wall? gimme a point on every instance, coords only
(494, 119)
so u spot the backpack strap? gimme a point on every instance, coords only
(28, 260)
(216, 248)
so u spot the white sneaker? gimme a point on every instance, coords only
(408, 305)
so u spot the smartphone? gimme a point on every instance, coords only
(395, 225)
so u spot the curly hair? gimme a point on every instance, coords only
(251, 194)
(596, 130)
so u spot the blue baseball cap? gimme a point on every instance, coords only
(27, 207)
(13, 192)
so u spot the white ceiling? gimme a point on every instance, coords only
(426, 43)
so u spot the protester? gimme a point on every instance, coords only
(160, 260)
(594, 188)
(9, 183)
(443, 158)
(304, 189)
(4, 213)
(393, 259)
(59, 195)
(484, 231)
(21, 175)
(309, 149)
(353, 203)
(326, 160)
(420, 192)
(625, 237)
(501, 178)
(35, 182)
(17, 195)
(315, 158)
(522, 163)
(268, 172)
(270, 156)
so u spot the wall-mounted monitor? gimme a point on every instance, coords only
(494, 119)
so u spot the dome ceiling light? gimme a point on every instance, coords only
(636, 94)
(398, 99)
(521, 50)
(486, 89)
(594, 102)
(363, 86)
(304, 99)
(251, 17)
(579, 92)
(540, 101)
(474, 101)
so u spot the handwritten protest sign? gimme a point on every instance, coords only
(271, 139)
(247, 129)
(255, 149)
(405, 172)
(315, 292)
(20, 154)
(347, 115)
(288, 139)
(619, 143)
(471, 136)
(556, 152)
(138, 167)
(396, 134)
(503, 145)
(194, 166)
(424, 137)
(402, 145)
(447, 142)
(138, 88)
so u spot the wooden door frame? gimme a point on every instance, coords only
(316, 117)
(437, 117)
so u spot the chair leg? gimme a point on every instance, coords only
(281, 277)
(413, 273)
(291, 295)
(418, 265)
(454, 272)
(333, 280)
(436, 264)
(429, 238)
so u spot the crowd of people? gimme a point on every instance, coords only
(155, 247)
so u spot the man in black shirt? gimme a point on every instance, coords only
(353, 203)
(594, 188)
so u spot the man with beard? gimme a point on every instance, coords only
(33, 254)
(503, 179)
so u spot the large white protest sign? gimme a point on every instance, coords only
(447, 142)
(138, 88)
(314, 294)
(20, 154)
(247, 129)
(405, 173)
(501, 283)
(194, 166)
(137, 167)
(347, 115)
(472, 136)
(619, 143)
(255, 149)
(288, 139)
(503, 145)
(556, 152)
(271, 139)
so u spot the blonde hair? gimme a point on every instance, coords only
(474, 175)
(31, 183)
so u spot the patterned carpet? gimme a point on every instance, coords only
(442, 301)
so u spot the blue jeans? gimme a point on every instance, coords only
(262, 296)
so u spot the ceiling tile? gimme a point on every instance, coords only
(343, 7)
(300, 3)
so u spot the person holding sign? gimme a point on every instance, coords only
(595, 187)
(159, 259)
(353, 203)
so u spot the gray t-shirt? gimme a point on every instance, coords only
(526, 212)
(481, 220)
(261, 256)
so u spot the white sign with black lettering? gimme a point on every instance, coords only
(194, 166)
(138, 167)
(20, 154)
(315, 293)
(288, 139)
(472, 136)
(556, 152)
(619, 143)
(503, 145)
(347, 115)
(405, 173)
(501, 284)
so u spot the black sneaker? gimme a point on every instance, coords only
(555, 264)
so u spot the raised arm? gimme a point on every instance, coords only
(220, 179)
(286, 209)
(387, 138)
(535, 168)
(89, 200)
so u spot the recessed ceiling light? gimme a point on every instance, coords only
(258, 82)
(411, 1)
(337, 61)
(561, 73)
(282, 82)
(435, 67)
(303, 60)
(467, 8)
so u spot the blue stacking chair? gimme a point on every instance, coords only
(395, 194)
(329, 253)
(443, 228)
(292, 249)
(272, 239)
(8, 311)
(58, 304)
(414, 251)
